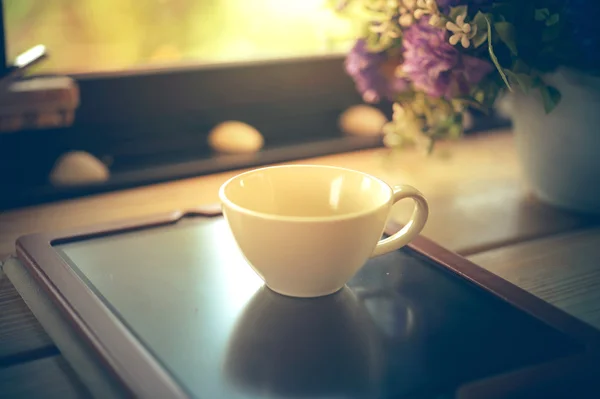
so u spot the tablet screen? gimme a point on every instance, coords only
(404, 327)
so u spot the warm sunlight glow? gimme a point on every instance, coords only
(103, 35)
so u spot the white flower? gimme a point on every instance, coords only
(406, 20)
(434, 20)
(386, 28)
(428, 7)
(407, 9)
(413, 10)
(463, 31)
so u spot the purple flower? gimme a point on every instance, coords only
(435, 66)
(372, 75)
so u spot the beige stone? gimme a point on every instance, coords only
(235, 137)
(362, 120)
(78, 168)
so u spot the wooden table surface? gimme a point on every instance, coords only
(479, 208)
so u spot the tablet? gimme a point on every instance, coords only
(172, 308)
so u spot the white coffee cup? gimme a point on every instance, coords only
(307, 229)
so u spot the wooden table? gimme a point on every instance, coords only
(479, 208)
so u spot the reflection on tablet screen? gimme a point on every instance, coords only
(404, 326)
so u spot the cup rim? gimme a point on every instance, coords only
(270, 216)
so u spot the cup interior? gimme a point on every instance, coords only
(305, 191)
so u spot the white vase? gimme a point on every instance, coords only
(560, 151)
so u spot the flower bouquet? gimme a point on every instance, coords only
(435, 58)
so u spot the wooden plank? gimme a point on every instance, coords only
(477, 200)
(91, 373)
(21, 335)
(484, 215)
(563, 270)
(51, 377)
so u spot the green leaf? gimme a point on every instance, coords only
(524, 81)
(553, 19)
(551, 97)
(479, 38)
(443, 20)
(479, 21)
(456, 11)
(541, 14)
(481, 24)
(491, 90)
(493, 55)
(506, 32)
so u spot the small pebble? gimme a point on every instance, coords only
(78, 168)
(362, 120)
(235, 137)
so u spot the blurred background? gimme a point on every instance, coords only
(137, 92)
(108, 35)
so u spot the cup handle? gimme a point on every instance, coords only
(414, 225)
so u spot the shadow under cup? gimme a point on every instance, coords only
(306, 230)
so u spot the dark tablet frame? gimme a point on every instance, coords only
(143, 376)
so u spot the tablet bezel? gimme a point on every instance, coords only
(143, 376)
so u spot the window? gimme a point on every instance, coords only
(112, 35)
(155, 76)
